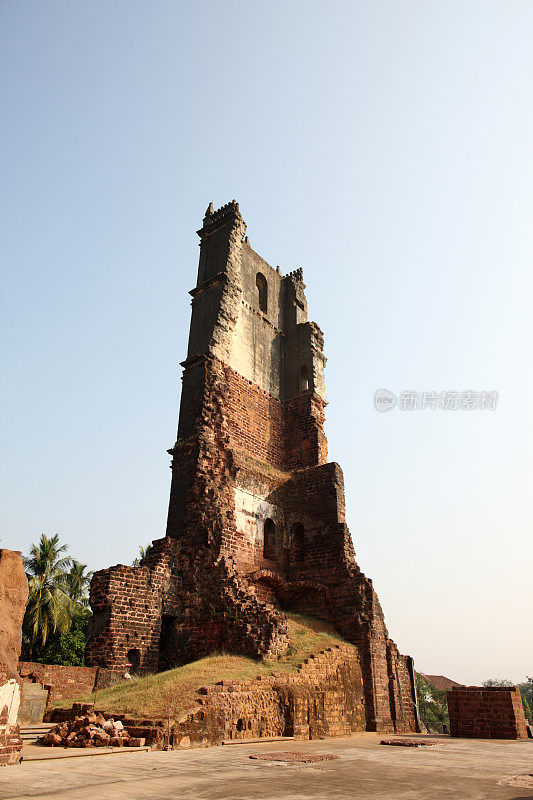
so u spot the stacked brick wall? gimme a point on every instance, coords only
(193, 608)
(326, 581)
(305, 441)
(287, 435)
(131, 623)
(493, 712)
(253, 417)
(325, 698)
(66, 683)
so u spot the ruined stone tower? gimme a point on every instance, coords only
(256, 515)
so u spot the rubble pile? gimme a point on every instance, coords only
(92, 730)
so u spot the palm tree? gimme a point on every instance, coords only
(49, 608)
(144, 552)
(77, 583)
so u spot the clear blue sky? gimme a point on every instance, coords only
(386, 148)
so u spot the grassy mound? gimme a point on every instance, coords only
(173, 692)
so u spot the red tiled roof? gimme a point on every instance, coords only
(441, 682)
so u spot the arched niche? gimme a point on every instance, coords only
(269, 539)
(262, 292)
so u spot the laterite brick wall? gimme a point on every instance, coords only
(324, 698)
(480, 712)
(66, 683)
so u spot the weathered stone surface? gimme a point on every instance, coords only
(13, 599)
(487, 712)
(408, 742)
(324, 698)
(67, 682)
(305, 758)
(256, 519)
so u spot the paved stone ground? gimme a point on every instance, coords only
(34, 752)
(456, 769)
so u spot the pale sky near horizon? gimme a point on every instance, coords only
(386, 148)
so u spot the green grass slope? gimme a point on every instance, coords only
(173, 692)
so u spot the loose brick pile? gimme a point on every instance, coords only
(92, 730)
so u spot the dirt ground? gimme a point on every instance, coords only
(458, 769)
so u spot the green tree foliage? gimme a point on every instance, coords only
(56, 616)
(49, 608)
(498, 682)
(144, 552)
(432, 706)
(68, 649)
(77, 582)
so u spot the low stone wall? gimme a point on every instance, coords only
(324, 698)
(66, 683)
(479, 712)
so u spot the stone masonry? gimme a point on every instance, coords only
(324, 698)
(256, 520)
(486, 712)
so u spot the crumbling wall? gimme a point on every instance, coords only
(324, 698)
(64, 683)
(172, 615)
(13, 599)
(494, 712)
(250, 452)
(127, 604)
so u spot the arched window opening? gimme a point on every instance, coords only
(269, 540)
(134, 659)
(304, 379)
(262, 292)
(297, 542)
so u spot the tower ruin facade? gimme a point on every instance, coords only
(256, 522)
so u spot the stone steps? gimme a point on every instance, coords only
(30, 733)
